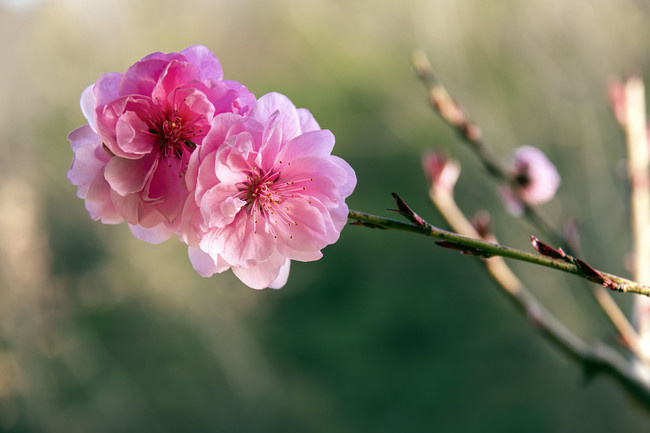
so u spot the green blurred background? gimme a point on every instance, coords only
(100, 332)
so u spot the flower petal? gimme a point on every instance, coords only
(273, 271)
(131, 136)
(204, 264)
(307, 121)
(153, 235)
(219, 205)
(141, 78)
(302, 228)
(206, 61)
(314, 143)
(87, 103)
(128, 176)
(282, 277)
(105, 89)
(87, 162)
(345, 188)
(243, 242)
(268, 104)
(271, 143)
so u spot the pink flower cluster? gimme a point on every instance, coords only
(172, 148)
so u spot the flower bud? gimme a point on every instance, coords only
(534, 179)
(440, 171)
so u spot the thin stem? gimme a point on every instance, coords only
(489, 249)
(638, 163)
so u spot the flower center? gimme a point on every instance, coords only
(177, 130)
(522, 176)
(259, 191)
(173, 130)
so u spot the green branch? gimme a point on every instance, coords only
(479, 247)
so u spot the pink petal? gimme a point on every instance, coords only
(219, 130)
(236, 161)
(205, 176)
(282, 277)
(307, 121)
(190, 99)
(339, 217)
(301, 256)
(231, 96)
(230, 206)
(127, 176)
(133, 109)
(334, 219)
(243, 242)
(265, 274)
(87, 103)
(268, 104)
(153, 235)
(204, 264)
(86, 162)
(190, 228)
(87, 173)
(346, 188)
(303, 228)
(252, 128)
(135, 212)
(240, 167)
(142, 77)
(131, 136)
(271, 143)
(319, 177)
(174, 75)
(206, 61)
(219, 206)
(99, 202)
(105, 89)
(165, 189)
(315, 143)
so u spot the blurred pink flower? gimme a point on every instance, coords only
(441, 172)
(266, 190)
(535, 179)
(143, 125)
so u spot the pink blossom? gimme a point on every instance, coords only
(535, 179)
(143, 125)
(266, 190)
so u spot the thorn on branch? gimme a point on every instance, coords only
(587, 271)
(464, 249)
(593, 275)
(549, 251)
(404, 210)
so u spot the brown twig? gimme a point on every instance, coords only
(634, 125)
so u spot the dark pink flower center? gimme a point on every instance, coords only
(260, 191)
(522, 174)
(178, 130)
(265, 192)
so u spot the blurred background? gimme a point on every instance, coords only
(100, 332)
